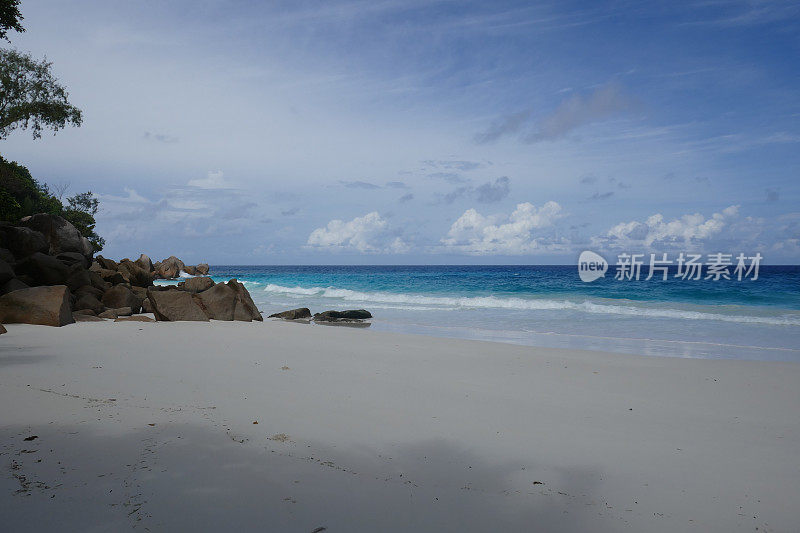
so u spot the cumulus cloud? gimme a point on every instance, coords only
(572, 113)
(215, 179)
(406, 198)
(130, 221)
(366, 234)
(515, 234)
(688, 231)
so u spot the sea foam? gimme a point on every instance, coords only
(628, 308)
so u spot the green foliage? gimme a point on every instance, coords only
(80, 213)
(21, 195)
(10, 17)
(30, 96)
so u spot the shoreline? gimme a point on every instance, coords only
(371, 430)
(540, 306)
(637, 346)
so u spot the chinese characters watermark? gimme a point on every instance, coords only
(687, 266)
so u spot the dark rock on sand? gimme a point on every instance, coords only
(144, 263)
(345, 323)
(197, 284)
(135, 274)
(333, 316)
(48, 306)
(2, 329)
(175, 305)
(44, 269)
(245, 308)
(219, 302)
(170, 267)
(6, 272)
(121, 296)
(108, 264)
(86, 318)
(73, 258)
(98, 282)
(294, 314)
(108, 313)
(135, 318)
(78, 277)
(88, 301)
(112, 276)
(61, 236)
(228, 301)
(13, 285)
(88, 289)
(22, 241)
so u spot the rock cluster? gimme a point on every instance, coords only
(349, 316)
(48, 276)
(336, 316)
(171, 267)
(293, 314)
(200, 299)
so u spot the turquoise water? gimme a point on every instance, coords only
(551, 306)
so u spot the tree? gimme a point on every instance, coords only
(21, 195)
(80, 213)
(31, 96)
(10, 17)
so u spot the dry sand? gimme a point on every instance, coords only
(151, 426)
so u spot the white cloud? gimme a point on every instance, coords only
(689, 230)
(214, 180)
(367, 234)
(132, 197)
(478, 234)
(131, 222)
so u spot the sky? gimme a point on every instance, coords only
(425, 132)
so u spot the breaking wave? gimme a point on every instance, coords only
(422, 301)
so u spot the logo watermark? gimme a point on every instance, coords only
(591, 266)
(687, 266)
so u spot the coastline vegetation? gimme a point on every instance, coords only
(31, 97)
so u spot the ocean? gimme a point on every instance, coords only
(550, 306)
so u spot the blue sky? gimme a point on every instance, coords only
(425, 131)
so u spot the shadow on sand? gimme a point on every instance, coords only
(192, 478)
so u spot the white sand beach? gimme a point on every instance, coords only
(152, 427)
